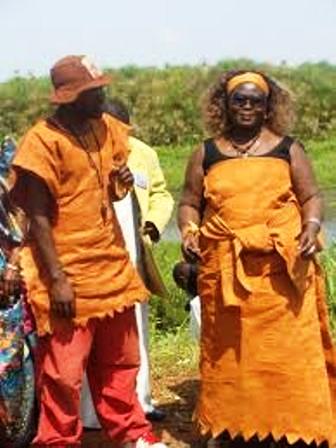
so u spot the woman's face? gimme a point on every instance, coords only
(247, 106)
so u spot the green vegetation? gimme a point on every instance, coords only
(165, 103)
(323, 155)
(173, 351)
(172, 348)
(329, 263)
(169, 313)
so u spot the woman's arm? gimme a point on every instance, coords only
(309, 197)
(189, 211)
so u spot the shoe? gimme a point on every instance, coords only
(156, 415)
(149, 440)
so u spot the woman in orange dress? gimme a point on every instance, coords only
(251, 214)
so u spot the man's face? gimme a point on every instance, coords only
(90, 103)
(247, 106)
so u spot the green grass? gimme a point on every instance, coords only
(168, 314)
(173, 352)
(323, 156)
(173, 160)
(172, 348)
(328, 259)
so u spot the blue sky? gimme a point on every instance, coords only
(35, 33)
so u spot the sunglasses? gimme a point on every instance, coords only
(241, 100)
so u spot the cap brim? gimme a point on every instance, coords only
(64, 96)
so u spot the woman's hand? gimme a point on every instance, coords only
(190, 247)
(62, 297)
(308, 239)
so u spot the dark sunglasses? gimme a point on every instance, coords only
(240, 100)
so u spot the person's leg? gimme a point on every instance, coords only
(143, 387)
(112, 370)
(61, 361)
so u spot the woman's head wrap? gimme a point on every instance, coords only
(248, 77)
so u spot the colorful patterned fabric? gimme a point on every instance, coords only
(17, 396)
(7, 151)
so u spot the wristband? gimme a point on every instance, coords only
(190, 229)
(314, 221)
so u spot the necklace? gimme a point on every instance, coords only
(244, 150)
(98, 168)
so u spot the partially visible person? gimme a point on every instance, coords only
(80, 280)
(251, 214)
(185, 276)
(150, 207)
(7, 152)
(17, 398)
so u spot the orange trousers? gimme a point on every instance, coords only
(108, 350)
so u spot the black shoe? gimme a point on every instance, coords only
(156, 415)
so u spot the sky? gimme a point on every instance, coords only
(36, 33)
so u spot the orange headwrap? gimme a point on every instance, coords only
(248, 77)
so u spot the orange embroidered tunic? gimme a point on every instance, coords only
(89, 245)
(267, 361)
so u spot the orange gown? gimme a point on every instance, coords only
(267, 364)
(89, 245)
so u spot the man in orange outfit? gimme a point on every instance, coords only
(81, 284)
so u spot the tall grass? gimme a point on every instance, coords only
(329, 263)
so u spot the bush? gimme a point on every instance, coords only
(165, 103)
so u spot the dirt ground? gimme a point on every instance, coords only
(176, 396)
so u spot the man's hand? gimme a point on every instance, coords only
(150, 229)
(123, 175)
(62, 297)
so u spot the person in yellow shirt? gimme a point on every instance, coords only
(151, 206)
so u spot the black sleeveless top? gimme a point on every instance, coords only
(213, 155)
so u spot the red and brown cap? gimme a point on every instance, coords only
(73, 75)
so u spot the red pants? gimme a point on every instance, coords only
(108, 350)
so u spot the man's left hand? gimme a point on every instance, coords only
(151, 230)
